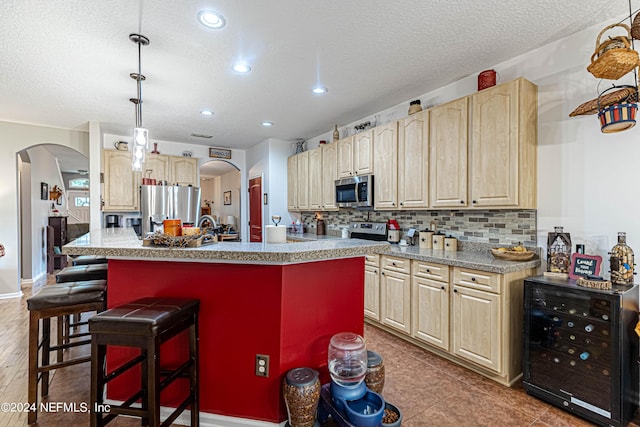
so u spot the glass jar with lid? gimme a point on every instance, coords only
(621, 262)
(347, 359)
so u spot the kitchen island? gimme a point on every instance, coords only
(284, 301)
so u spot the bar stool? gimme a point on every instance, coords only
(145, 324)
(57, 301)
(89, 259)
(76, 274)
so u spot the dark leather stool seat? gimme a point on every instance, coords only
(82, 272)
(61, 301)
(145, 324)
(89, 259)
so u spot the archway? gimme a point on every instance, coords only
(221, 197)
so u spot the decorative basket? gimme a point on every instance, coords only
(513, 255)
(617, 117)
(627, 94)
(611, 62)
(635, 27)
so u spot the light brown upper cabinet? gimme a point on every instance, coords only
(385, 163)
(120, 192)
(315, 179)
(502, 149)
(413, 161)
(448, 139)
(156, 167)
(329, 176)
(292, 183)
(303, 180)
(355, 154)
(183, 171)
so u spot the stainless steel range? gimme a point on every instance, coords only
(369, 230)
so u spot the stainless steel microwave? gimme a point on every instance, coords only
(355, 192)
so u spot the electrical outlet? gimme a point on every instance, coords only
(262, 365)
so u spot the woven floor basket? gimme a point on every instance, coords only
(611, 64)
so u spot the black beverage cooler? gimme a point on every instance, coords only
(580, 348)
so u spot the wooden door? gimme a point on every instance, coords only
(303, 181)
(430, 311)
(156, 166)
(292, 183)
(255, 209)
(371, 292)
(315, 179)
(448, 139)
(345, 157)
(494, 147)
(363, 153)
(329, 176)
(183, 171)
(476, 327)
(121, 192)
(395, 300)
(385, 163)
(413, 155)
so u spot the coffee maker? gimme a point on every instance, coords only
(113, 221)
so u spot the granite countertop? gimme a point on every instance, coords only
(122, 243)
(474, 255)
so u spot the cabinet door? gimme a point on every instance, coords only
(183, 171)
(494, 146)
(329, 176)
(363, 153)
(292, 183)
(120, 182)
(395, 300)
(413, 159)
(385, 163)
(448, 140)
(430, 312)
(156, 166)
(476, 327)
(371, 292)
(303, 181)
(345, 157)
(315, 179)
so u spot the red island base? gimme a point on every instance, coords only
(288, 312)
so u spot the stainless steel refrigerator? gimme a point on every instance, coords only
(160, 202)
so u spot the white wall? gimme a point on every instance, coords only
(277, 188)
(230, 182)
(15, 137)
(586, 179)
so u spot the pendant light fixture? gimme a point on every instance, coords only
(140, 134)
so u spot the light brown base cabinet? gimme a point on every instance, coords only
(470, 317)
(372, 287)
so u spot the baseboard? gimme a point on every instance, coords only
(206, 419)
(34, 283)
(11, 295)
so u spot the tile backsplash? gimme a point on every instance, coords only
(486, 226)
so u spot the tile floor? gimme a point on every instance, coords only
(429, 390)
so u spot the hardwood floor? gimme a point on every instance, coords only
(429, 390)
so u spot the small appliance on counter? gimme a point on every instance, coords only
(393, 235)
(113, 221)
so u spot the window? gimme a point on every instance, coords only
(79, 183)
(81, 201)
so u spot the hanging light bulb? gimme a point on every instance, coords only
(140, 134)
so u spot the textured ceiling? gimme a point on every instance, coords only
(67, 62)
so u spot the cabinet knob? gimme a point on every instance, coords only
(473, 201)
(462, 202)
(375, 271)
(382, 273)
(428, 271)
(473, 279)
(394, 264)
(455, 290)
(393, 204)
(401, 203)
(442, 287)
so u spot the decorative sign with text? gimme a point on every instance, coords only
(219, 153)
(584, 265)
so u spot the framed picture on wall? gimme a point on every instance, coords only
(44, 191)
(227, 197)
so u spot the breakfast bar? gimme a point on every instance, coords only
(282, 301)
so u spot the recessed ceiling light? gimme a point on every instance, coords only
(241, 68)
(267, 124)
(211, 19)
(320, 90)
(206, 112)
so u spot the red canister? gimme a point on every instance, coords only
(486, 78)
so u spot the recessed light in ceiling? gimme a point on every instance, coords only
(211, 19)
(267, 124)
(206, 112)
(320, 90)
(241, 68)
(200, 135)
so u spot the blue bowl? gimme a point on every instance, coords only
(340, 394)
(366, 411)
